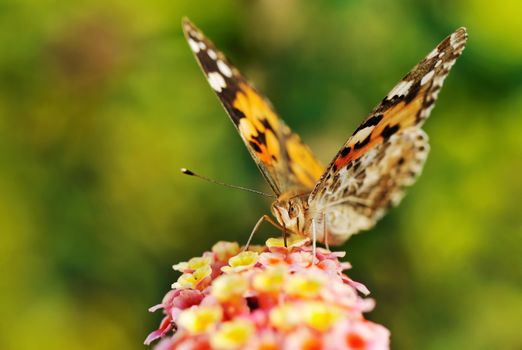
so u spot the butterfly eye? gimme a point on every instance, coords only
(291, 211)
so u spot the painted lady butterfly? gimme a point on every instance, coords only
(384, 155)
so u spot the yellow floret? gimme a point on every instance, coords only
(292, 240)
(202, 272)
(198, 320)
(320, 316)
(270, 280)
(232, 335)
(226, 287)
(241, 261)
(186, 280)
(193, 264)
(285, 317)
(304, 286)
(224, 250)
(190, 280)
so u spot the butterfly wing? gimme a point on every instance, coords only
(284, 160)
(387, 151)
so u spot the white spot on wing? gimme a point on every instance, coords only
(216, 81)
(433, 53)
(438, 80)
(427, 77)
(197, 34)
(362, 134)
(193, 45)
(400, 89)
(426, 112)
(224, 68)
(202, 45)
(212, 54)
(453, 40)
(449, 64)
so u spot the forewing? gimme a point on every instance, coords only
(284, 160)
(365, 177)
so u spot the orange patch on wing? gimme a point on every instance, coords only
(267, 136)
(304, 165)
(257, 113)
(402, 115)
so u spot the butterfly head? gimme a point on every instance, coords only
(289, 210)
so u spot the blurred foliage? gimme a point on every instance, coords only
(101, 102)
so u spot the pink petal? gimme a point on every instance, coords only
(359, 286)
(155, 308)
(165, 326)
(187, 298)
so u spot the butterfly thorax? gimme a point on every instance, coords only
(290, 211)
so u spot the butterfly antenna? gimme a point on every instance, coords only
(191, 173)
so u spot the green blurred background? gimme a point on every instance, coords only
(101, 102)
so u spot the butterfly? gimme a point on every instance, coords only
(369, 174)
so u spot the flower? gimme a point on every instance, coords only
(270, 280)
(232, 334)
(305, 285)
(285, 317)
(358, 334)
(242, 261)
(266, 298)
(320, 316)
(194, 279)
(227, 287)
(197, 320)
(225, 250)
(293, 241)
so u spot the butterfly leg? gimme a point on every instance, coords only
(314, 241)
(256, 228)
(325, 235)
(285, 235)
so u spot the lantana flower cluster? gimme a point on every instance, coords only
(264, 298)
